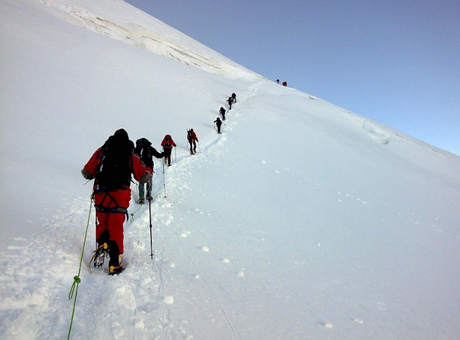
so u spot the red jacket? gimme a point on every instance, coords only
(193, 136)
(138, 168)
(168, 144)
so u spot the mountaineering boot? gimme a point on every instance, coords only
(114, 263)
(149, 196)
(115, 270)
(141, 200)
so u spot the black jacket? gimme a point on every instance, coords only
(145, 152)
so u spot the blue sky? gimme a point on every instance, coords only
(397, 62)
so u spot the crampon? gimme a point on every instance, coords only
(99, 257)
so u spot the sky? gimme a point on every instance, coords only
(393, 61)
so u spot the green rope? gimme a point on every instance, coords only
(132, 214)
(76, 279)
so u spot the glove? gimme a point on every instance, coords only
(145, 178)
(86, 175)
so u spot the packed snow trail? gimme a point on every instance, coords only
(132, 305)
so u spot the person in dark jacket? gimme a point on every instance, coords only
(145, 151)
(222, 112)
(112, 166)
(168, 144)
(230, 102)
(218, 122)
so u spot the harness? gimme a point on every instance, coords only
(102, 209)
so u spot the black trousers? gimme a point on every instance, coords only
(192, 148)
(167, 152)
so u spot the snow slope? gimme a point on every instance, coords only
(301, 221)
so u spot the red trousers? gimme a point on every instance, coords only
(108, 217)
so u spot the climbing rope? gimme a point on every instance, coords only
(132, 214)
(76, 279)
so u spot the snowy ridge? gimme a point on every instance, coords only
(133, 33)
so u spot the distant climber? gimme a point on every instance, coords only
(230, 102)
(145, 151)
(192, 139)
(234, 97)
(168, 144)
(222, 112)
(218, 123)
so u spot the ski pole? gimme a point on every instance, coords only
(164, 181)
(199, 147)
(175, 156)
(150, 218)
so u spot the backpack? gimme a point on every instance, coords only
(190, 135)
(143, 150)
(166, 141)
(114, 171)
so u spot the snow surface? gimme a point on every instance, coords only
(301, 221)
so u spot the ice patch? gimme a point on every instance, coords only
(377, 133)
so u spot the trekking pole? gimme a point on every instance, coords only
(164, 181)
(199, 147)
(151, 240)
(175, 156)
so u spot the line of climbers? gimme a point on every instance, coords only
(230, 101)
(112, 166)
(284, 82)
